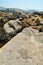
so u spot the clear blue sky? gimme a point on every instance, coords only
(22, 4)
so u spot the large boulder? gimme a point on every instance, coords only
(12, 27)
(22, 15)
(9, 30)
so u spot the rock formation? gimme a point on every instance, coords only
(26, 48)
(21, 38)
(11, 23)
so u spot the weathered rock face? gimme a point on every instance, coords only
(4, 18)
(26, 48)
(22, 15)
(13, 27)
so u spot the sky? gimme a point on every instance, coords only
(23, 4)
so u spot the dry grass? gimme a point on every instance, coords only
(34, 22)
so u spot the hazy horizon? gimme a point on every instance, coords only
(23, 4)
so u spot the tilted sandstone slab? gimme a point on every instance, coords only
(23, 49)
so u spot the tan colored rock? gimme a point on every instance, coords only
(24, 49)
(12, 26)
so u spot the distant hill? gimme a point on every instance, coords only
(2, 8)
(31, 11)
(18, 10)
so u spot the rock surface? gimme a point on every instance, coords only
(12, 27)
(26, 48)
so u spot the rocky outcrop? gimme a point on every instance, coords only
(12, 27)
(26, 48)
(21, 38)
(12, 23)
